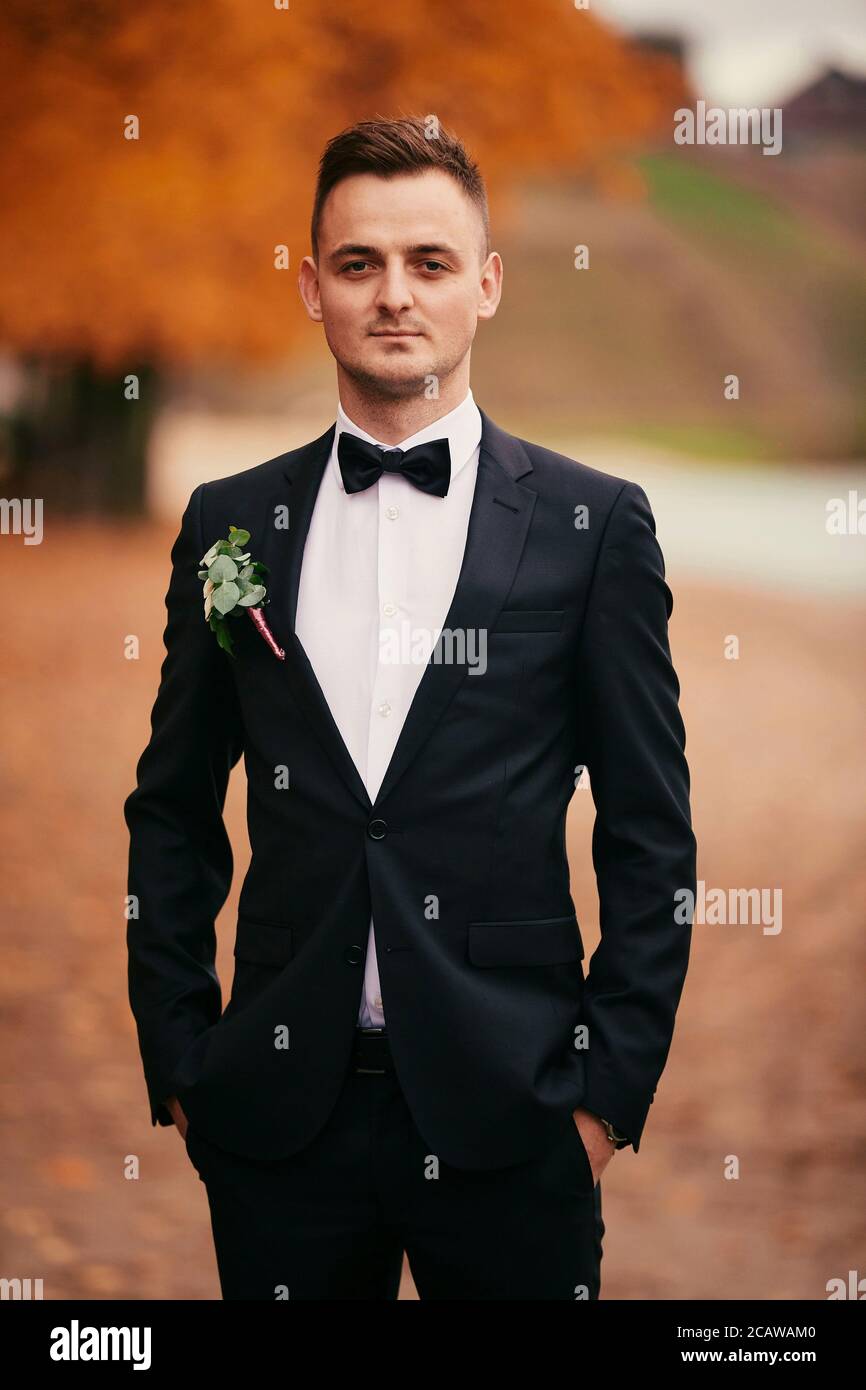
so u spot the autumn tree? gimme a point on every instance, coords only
(156, 156)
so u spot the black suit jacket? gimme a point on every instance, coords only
(461, 859)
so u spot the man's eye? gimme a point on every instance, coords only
(349, 264)
(438, 265)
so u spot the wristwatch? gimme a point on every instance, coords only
(618, 1140)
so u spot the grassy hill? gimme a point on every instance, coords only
(724, 265)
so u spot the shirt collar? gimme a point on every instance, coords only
(461, 427)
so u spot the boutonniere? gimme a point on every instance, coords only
(234, 584)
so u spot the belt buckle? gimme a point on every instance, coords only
(371, 1071)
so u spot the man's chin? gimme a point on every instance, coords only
(393, 379)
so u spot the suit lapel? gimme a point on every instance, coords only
(498, 522)
(282, 551)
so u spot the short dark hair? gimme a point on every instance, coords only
(387, 148)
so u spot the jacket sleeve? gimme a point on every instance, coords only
(643, 847)
(180, 858)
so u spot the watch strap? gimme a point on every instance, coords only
(620, 1141)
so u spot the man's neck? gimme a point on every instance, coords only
(390, 421)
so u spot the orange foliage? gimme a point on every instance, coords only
(163, 247)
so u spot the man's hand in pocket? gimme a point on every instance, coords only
(599, 1149)
(174, 1107)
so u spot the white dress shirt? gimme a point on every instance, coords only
(378, 574)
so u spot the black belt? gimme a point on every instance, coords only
(372, 1051)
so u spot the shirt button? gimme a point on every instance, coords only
(392, 513)
(378, 1003)
(384, 708)
(389, 610)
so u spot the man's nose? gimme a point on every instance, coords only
(394, 292)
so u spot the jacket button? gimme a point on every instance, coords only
(377, 830)
(354, 955)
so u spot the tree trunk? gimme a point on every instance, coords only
(76, 440)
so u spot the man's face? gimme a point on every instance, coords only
(401, 281)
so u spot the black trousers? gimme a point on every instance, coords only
(333, 1221)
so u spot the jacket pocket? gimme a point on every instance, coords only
(528, 941)
(264, 943)
(529, 620)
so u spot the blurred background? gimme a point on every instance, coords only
(156, 157)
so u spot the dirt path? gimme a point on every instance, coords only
(767, 1063)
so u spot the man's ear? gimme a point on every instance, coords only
(491, 286)
(308, 288)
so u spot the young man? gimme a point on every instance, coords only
(411, 1058)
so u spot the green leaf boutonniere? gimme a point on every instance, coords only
(234, 584)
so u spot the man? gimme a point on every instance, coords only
(411, 1059)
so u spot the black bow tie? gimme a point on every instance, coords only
(427, 466)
